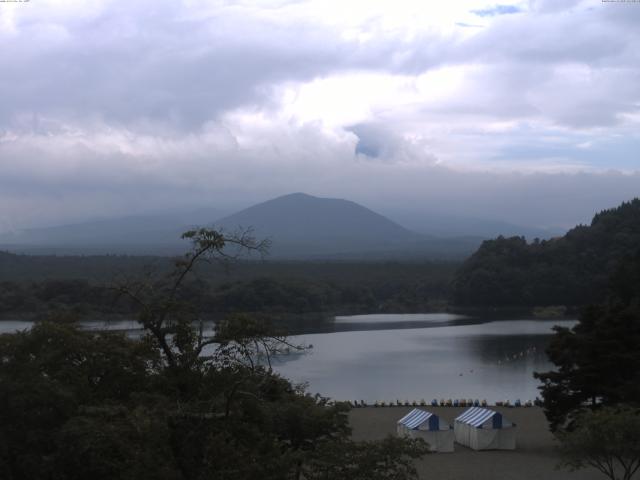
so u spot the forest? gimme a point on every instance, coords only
(572, 270)
(32, 286)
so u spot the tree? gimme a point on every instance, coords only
(607, 439)
(598, 360)
(175, 404)
(48, 376)
(165, 317)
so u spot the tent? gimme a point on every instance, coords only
(484, 429)
(428, 426)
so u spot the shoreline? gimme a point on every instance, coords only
(536, 455)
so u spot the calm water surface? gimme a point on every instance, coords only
(493, 360)
(409, 357)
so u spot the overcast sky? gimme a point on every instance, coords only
(524, 111)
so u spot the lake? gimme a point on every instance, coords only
(410, 356)
(446, 357)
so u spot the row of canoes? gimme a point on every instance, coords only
(445, 403)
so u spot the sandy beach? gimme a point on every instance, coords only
(535, 456)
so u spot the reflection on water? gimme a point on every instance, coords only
(378, 357)
(388, 321)
(131, 327)
(111, 325)
(493, 360)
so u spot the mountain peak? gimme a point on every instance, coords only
(306, 222)
(301, 196)
(295, 195)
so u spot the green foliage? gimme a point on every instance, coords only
(597, 360)
(268, 294)
(109, 442)
(607, 439)
(47, 375)
(267, 288)
(389, 459)
(79, 405)
(173, 404)
(571, 270)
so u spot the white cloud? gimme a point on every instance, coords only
(181, 103)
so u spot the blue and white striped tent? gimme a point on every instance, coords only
(484, 429)
(428, 426)
(476, 417)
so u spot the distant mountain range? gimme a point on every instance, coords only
(300, 226)
(141, 234)
(441, 225)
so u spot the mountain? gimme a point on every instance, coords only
(303, 222)
(300, 226)
(569, 270)
(157, 234)
(304, 226)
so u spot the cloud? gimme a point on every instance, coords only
(374, 141)
(497, 10)
(468, 25)
(249, 157)
(117, 106)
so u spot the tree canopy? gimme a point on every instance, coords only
(607, 439)
(175, 403)
(598, 360)
(570, 270)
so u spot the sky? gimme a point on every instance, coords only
(522, 111)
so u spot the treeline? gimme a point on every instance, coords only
(571, 270)
(33, 299)
(336, 288)
(268, 294)
(15, 267)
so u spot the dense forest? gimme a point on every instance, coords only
(32, 286)
(597, 360)
(570, 270)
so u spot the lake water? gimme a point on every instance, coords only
(410, 357)
(448, 357)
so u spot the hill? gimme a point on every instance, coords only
(569, 270)
(300, 223)
(304, 226)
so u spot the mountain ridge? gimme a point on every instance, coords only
(301, 226)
